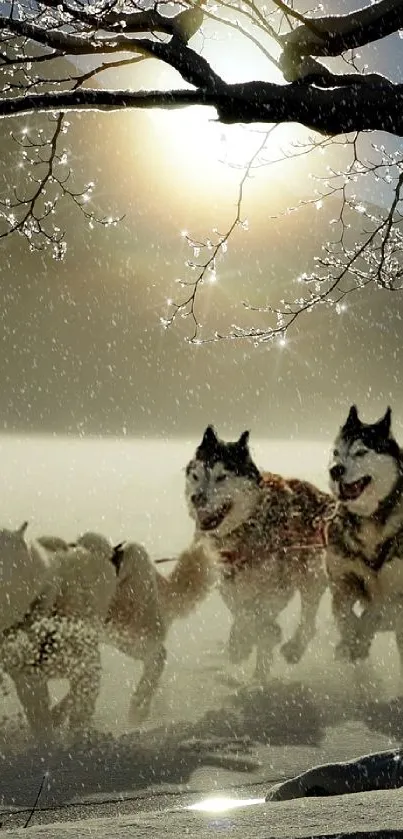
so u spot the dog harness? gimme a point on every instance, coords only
(291, 518)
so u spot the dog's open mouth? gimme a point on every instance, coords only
(349, 492)
(212, 520)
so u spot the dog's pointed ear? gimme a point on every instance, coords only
(209, 439)
(352, 420)
(117, 556)
(22, 528)
(243, 442)
(118, 547)
(384, 424)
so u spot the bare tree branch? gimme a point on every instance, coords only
(193, 68)
(207, 269)
(370, 103)
(344, 268)
(290, 12)
(331, 36)
(183, 25)
(49, 182)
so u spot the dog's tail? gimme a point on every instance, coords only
(188, 584)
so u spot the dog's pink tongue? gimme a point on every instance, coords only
(350, 491)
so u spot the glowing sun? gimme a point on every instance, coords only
(192, 147)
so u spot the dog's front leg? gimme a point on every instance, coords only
(356, 632)
(32, 691)
(269, 635)
(154, 664)
(240, 642)
(77, 659)
(399, 637)
(18, 657)
(311, 591)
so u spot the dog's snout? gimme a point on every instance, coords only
(198, 498)
(337, 472)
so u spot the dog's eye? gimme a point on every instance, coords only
(220, 479)
(195, 476)
(336, 453)
(361, 453)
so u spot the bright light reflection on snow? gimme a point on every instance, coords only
(222, 805)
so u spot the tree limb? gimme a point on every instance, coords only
(182, 25)
(331, 36)
(193, 68)
(375, 106)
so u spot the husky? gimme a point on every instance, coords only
(265, 534)
(364, 556)
(53, 642)
(133, 616)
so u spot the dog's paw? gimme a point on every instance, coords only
(229, 680)
(59, 713)
(293, 650)
(346, 651)
(342, 652)
(138, 712)
(262, 673)
(360, 654)
(239, 648)
(352, 651)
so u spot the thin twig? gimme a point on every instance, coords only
(38, 795)
(187, 307)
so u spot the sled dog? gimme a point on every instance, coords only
(266, 535)
(364, 557)
(134, 615)
(58, 636)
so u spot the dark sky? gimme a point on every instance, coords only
(82, 345)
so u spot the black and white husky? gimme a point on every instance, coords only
(364, 558)
(265, 533)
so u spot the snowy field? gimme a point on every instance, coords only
(210, 728)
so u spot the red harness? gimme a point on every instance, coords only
(233, 560)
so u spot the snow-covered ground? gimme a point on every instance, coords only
(210, 728)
